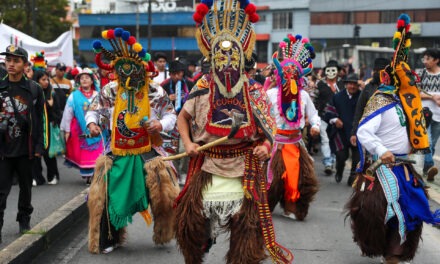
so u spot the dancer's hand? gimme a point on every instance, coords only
(154, 126)
(339, 123)
(387, 157)
(261, 152)
(191, 149)
(353, 140)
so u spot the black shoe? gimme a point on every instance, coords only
(24, 226)
(338, 177)
(351, 179)
(328, 170)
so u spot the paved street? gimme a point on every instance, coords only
(323, 238)
(45, 200)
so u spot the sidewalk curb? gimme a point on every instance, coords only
(41, 236)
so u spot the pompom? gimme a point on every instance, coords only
(97, 44)
(407, 43)
(407, 27)
(197, 17)
(400, 24)
(202, 9)
(283, 44)
(118, 32)
(291, 38)
(42, 52)
(147, 56)
(250, 9)
(137, 47)
(244, 3)
(305, 40)
(298, 37)
(208, 3)
(131, 40)
(142, 53)
(104, 34)
(111, 34)
(74, 71)
(397, 35)
(125, 35)
(405, 18)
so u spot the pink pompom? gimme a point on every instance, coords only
(305, 40)
(283, 44)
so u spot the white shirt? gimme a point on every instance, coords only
(307, 109)
(385, 132)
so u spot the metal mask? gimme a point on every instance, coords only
(227, 66)
(131, 74)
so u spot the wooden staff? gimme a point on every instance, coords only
(237, 119)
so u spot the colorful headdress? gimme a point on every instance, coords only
(226, 19)
(38, 61)
(130, 61)
(133, 71)
(399, 76)
(293, 61)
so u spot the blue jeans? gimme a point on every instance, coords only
(328, 159)
(434, 134)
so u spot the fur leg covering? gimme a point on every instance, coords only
(276, 190)
(97, 200)
(163, 188)
(308, 184)
(367, 213)
(246, 244)
(190, 220)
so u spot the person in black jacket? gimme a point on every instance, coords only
(54, 117)
(21, 132)
(326, 88)
(339, 115)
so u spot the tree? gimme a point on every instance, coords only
(48, 21)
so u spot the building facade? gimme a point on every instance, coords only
(327, 24)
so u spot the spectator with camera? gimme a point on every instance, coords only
(21, 133)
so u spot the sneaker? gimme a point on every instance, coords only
(289, 215)
(328, 170)
(53, 182)
(108, 250)
(431, 173)
(24, 226)
(34, 183)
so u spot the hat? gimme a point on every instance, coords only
(352, 77)
(12, 50)
(332, 63)
(380, 63)
(176, 66)
(39, 61)
(61, 66)
(91, 74)
(160, 55)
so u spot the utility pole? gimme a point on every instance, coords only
(150, 32)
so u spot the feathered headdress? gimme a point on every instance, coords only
(39, 63)
(403, 80)
(293, 61)
(234, 18)
(126, 54)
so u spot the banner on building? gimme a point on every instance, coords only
(60, 50)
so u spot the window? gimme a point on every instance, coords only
(282, 20)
